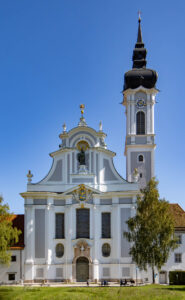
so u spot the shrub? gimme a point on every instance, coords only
(177, 277)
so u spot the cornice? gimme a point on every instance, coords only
(100, 149)
(62, 150)
(141, 135)
(82, 128)
(40, 195)
(141, 146)
(142, 89)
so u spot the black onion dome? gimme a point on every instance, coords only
(140, 75)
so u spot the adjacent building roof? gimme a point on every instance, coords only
(18, 222)
(179, 216)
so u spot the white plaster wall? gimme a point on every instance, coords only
(16, 267)
(171, 265)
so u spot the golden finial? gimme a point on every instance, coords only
(82, 106)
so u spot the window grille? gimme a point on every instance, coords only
(39, 272)
(59, 272)
(125, 272)
(178, 257)
(106, 272)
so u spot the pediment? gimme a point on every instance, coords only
(77, 187)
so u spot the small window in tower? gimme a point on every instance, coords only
(140, 158)
(141, 175)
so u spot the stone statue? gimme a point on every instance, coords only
(81, 157)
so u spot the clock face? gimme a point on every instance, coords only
(140, 103)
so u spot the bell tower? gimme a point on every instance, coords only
(139, 95)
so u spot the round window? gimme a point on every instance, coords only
(59, 250)
(106, 250)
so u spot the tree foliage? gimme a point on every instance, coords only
(151, 230)
(8, 234)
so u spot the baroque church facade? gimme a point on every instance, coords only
(76, 216)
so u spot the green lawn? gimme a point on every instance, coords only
(149, 292)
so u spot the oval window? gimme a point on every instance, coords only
(106, 250)
(59, 250)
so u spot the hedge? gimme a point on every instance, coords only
(177, 277)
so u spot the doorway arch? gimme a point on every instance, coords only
(82, 269)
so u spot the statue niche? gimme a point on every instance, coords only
(81, 157)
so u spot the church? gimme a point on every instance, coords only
(76, 215)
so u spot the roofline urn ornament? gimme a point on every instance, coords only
(29, 176)
(100, 126)
(64, 128)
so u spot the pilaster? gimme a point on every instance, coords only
(97, 236)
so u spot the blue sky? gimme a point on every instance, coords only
(55, 55)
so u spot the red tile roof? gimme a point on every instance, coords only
(18, 222)
(179, 216)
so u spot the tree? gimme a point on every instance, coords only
(8, 234)
(151, 230)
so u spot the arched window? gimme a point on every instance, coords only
(140, 122)
(140, 158)
(106, 250)
(59, 250)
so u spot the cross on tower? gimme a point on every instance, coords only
(139, 15)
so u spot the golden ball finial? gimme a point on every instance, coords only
(82, 106)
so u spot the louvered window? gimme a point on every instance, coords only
(140, 122)
(106, 225)
(82, 223)
(59, 221)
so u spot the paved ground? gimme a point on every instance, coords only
(57, 284)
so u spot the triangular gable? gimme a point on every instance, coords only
(70, 191)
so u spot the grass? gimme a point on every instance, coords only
(150, 292)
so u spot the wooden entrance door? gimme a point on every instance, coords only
(82, 269)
